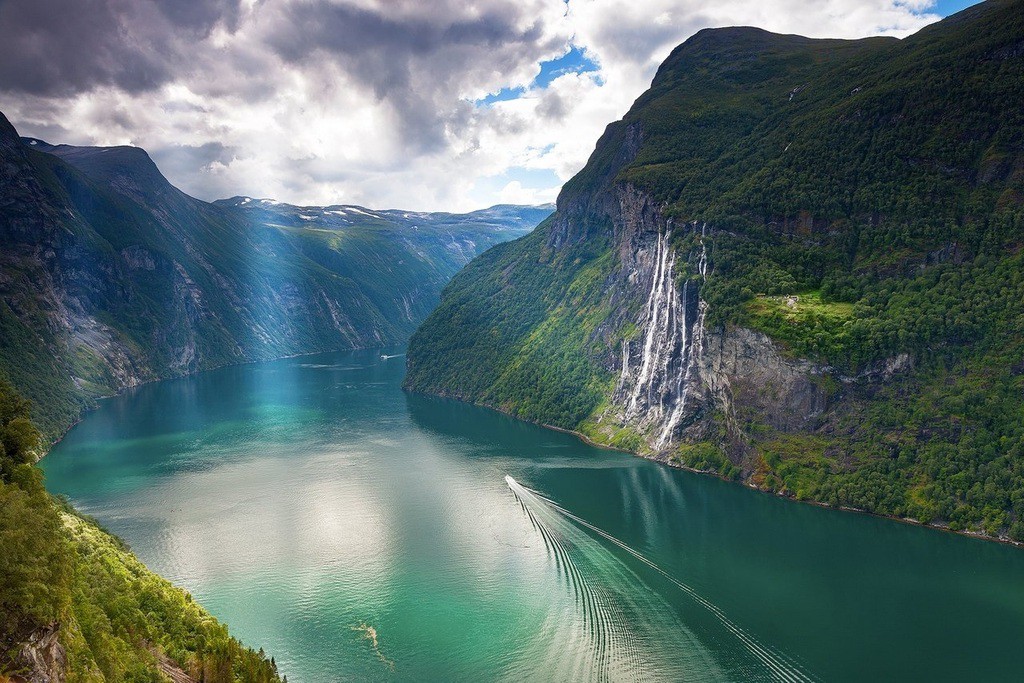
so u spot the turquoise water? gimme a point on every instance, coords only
(313, 505)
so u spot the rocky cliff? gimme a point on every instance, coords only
(42, 658)
(792, 263)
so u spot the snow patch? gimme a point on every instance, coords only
(354, 209)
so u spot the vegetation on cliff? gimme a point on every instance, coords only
(864, 201)
(60, 572)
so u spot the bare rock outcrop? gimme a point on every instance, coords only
(42, 659)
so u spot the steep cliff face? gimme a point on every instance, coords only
(42, 658)
(792, 263)
(659, 383)
(110, 276)
(674, 375)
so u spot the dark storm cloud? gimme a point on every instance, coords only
(60, 47)
(418, 59)
(200, 16)
(417, 63)
(54, 47)
(353, 31)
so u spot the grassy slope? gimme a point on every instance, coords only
(883, 182)
(512, 339)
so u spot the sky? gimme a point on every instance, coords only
(415, 104)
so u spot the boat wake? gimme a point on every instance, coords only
(622, 651)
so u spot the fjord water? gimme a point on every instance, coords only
(360, 533)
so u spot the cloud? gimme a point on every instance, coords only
(200, 16)
(62, 47)
(208, 159)
(515, 193)
(379, 102)
(418, 63)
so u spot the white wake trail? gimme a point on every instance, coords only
(777, 664)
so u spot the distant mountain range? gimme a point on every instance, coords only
(111, 276)
(797, 263)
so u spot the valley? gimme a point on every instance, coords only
(113, 277)
(530, 442)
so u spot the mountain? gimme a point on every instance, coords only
(110, 276)
(794, 262)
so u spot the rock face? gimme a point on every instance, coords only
(659, 390)
(674, 374)
(42, 659)
(746, 375)
(676, 381)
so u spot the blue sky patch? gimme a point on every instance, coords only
(529, 178)
(946, 7)
(574, 61)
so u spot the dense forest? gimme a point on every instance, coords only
(862, 204)
(62, 574)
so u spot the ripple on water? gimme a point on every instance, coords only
(345, 526)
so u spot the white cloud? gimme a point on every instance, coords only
(370, 102)
(515, 193)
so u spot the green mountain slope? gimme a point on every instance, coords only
(795, 262)
(110, 276)
(76, 605)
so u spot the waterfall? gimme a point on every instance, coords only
(655, 396)
(625, 360)
(691, 352)
(655, 322)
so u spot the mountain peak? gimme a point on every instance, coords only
(128, 168)
(745, 53)
(676, 303)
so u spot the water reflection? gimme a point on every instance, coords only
(309, 500)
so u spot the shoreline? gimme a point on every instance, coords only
(664, 461)
(842, 508)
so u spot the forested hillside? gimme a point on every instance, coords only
(76, 605)
(795, 262)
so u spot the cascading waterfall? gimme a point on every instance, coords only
(656, 395)
(625, 360)
(661, 314)
(691, 351)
